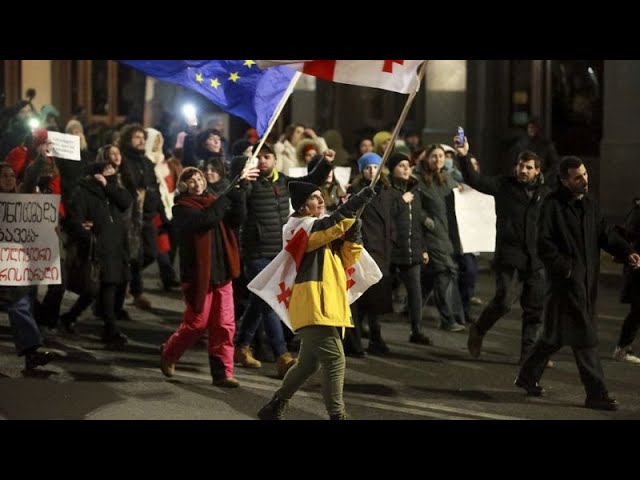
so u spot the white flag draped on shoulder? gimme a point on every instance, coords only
(395, 75)
(274, 284)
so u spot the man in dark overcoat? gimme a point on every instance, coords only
(571, 232)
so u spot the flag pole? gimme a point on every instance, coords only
(403, 117)
(276, 114)
(263, 139)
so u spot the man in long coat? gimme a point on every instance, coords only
(571, 232)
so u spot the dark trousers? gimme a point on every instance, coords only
(353, 336)
(447, 298)
(468, 271)
(509, 284)
(587, 360)
(631, 325)
(111, 301)
(410, 276)
(47, 312)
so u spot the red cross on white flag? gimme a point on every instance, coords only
(275, 283)
(395, 75)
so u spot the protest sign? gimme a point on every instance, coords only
(476, 215)
(29, 245)
(64, 145)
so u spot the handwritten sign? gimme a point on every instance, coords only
(476, 215)
(29, 246)
(64, 145)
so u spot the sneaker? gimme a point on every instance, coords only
(227, 382)
(283, 363)
(244, 357)
(474, 342)
(456, 327)
(37, 359)
(476, 301)
(168, 368)
(624, 354)
(274, 410)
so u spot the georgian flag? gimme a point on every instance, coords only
(395, 75)
(274, 284)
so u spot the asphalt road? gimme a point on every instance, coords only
(89, 382)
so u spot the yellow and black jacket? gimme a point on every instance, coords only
(319, 294)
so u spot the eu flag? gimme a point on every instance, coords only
(239, 87)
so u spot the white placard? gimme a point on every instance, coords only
(297, 172)
(64, 145)
(476, 215)
(342, 174)
(29, 246)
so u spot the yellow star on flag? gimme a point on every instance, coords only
(199, 78)
(215, 83)
(248, 63)
(234, 77)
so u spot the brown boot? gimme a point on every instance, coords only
(227, 382)
(283, 363)
(168, 368)
(142, 302)
(244, 357)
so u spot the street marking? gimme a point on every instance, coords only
(413, 407)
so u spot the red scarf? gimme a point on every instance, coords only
(196, 291)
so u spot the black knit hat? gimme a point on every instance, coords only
(394, 160)
(299, 192)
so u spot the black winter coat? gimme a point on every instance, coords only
(570, 252)
(409, 243)
(631, 288)
(105, 207)
(516, 216)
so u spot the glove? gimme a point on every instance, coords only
(359, 200)
(354, 234)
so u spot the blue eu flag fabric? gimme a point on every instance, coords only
(239, 87)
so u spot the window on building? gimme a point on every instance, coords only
(577, 106)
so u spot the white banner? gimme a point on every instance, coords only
(476, 215)
(29, 246)
(64, 145)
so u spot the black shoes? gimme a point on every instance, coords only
(378, 347)
(37, 359)
(115, 339)
(533, 389)
(602, 402)
(68, 323)
(274, 410)
(420, 338)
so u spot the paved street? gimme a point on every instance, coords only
(412, 383)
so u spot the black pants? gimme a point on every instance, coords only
(587, 360)
(509, 284)
(467, 273)
(410, 276)
(631, 325)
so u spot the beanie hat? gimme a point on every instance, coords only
(395, 159)
(314, 162)
(368, 159)
(265, 146)
(379, 138)
(299, 192)
(186, 174)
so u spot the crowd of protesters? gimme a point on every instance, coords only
(138, 201)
